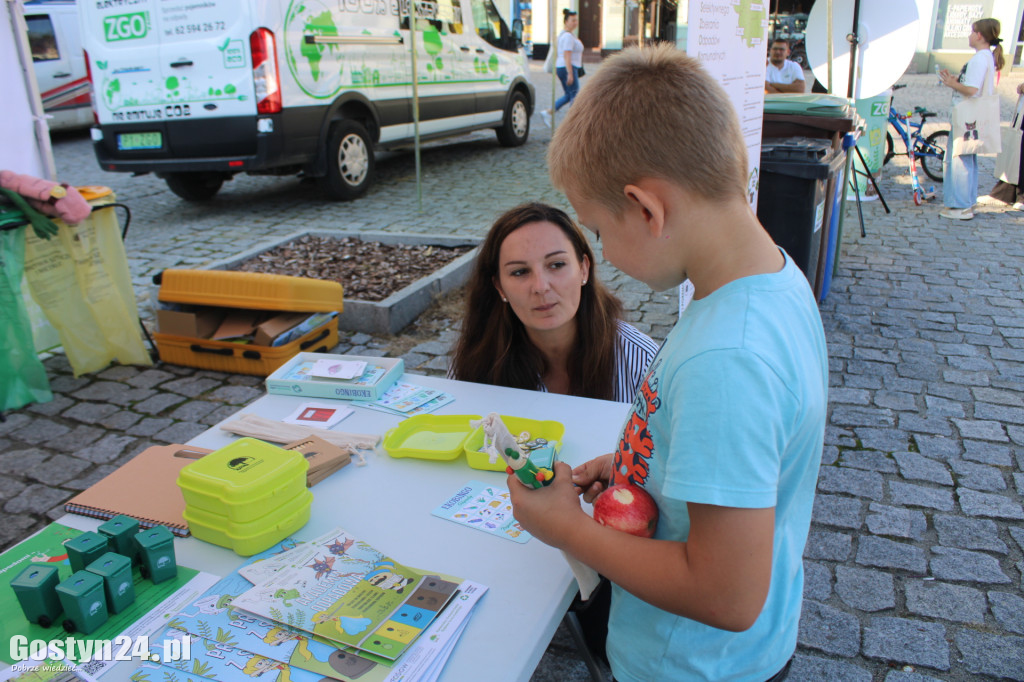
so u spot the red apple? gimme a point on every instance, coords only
(628, 508)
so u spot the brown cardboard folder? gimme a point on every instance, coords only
(145, 487)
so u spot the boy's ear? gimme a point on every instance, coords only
(646, 198)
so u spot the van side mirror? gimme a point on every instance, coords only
(517, 31)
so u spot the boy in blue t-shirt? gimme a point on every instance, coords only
(726, 431)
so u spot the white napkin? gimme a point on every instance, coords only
(586, 577)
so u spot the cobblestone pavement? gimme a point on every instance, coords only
(914, 563)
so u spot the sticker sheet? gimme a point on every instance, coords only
(407, 400)
(485, 507)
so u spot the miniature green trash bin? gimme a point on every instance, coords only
(116, 571)
(121, 531)
(36, 589)
(156, 553)
(85, 549)
(83, 600)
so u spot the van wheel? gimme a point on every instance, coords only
(195, 186)
(350, 162)
(516, 128)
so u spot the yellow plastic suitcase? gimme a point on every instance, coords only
(249, 291)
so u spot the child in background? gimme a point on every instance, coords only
(726, 431)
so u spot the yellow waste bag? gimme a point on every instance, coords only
(81, 281)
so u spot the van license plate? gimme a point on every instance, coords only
(140, 140)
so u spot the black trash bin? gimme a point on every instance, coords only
(792, 201)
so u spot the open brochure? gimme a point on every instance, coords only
(350, 593)
(216, 624)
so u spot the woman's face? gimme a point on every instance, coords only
(539, 274)
(572, 22)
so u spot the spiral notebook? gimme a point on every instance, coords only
(145, 488)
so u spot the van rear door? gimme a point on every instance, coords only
(155, 63)
(204, 59)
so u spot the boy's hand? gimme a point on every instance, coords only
(551, 512)
(592, 477)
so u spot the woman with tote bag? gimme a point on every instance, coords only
(972, 129)
(1010, 188)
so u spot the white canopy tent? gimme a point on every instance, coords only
(26, 147)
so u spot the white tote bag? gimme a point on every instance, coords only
(975, 126)
(1008, 164)
(549, 61)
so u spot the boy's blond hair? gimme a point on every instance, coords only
(649, 112)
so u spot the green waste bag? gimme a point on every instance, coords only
(22, 376)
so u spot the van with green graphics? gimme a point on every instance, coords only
(199, 90)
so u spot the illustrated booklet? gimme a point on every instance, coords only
(344, 590)
(226, 638)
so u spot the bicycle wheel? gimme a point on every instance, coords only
(889, 151)
(932, 153)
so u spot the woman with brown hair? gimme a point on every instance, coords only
(538, 318)
(976, 78)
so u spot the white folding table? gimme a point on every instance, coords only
(388, 504)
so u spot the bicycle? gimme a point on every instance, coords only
(930, 150)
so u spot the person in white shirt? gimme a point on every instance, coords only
(568, 62)
(782, 75)
(976, 78)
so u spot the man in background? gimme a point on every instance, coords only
(782, 75)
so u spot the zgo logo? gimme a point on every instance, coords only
(126, 26)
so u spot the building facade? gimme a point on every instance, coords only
(611, 25)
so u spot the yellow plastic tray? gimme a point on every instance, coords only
(254, 536)
(429, 436)
(550, 430)
(243, 481)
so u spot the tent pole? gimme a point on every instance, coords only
(854, 40)
(830, 47)
(415, 103)
(553, 45)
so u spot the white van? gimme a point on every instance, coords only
(199, 90)
(58, 62)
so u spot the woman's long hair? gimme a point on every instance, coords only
(989, 30)
(494, 348)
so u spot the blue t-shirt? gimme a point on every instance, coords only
(731, 413)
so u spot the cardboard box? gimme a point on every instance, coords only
(269, 330)
(199, 323)
(237, 324)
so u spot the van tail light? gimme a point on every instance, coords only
(264, 71)
(92, 88)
